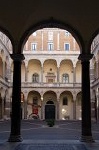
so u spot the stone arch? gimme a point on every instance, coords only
(78, 106)
(50, 105)
(66, 109)
(36, 65)
(33, 104)
(66, 67)
(50, 71)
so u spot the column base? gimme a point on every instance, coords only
(87, 139)
(15, 138)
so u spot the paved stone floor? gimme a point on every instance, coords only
(37, 136)
(49, 145)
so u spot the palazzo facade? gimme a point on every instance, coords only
(50, 76)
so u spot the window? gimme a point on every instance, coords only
(67, 33)
(50, 46)
(65, 78)
(67, 46)
(35, 78)
(65, 101)
(33, 46)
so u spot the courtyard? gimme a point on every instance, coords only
(64, 135)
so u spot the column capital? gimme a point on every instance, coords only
(17, 57)
(85, 57)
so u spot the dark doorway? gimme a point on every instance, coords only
(50, 110)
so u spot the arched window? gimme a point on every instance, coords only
(65, 101)
(65, 78)
(35, 78)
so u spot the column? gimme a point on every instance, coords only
(25, 104)
(97, 105)
(58, 109)
(86, 104)
(3, 108)
(15, 135)
(58, 74)
(74, 74)
(26, 71)
(42, 74)
(92, 76)
(4, 69)
(74, 110)
(41, 107)
(97, 67)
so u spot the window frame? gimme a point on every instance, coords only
(35, 78)
(50, 46)
(34, 48)
(65, 47)
(65, 78)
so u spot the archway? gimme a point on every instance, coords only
(50, 105)
(66, 105)
(50, 110)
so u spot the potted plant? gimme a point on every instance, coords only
(50, 122)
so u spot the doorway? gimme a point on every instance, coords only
(50, 110)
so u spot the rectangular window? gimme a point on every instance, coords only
(67, 46)
(50, 46)
(33, 46)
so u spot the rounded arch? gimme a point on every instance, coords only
(69, 60)
(33, 104)
(66, 92)
(34, 66)
(50, 104)
(46, 60)
(52, 23)
(50, 95)
(50, 71)
(47, 90)
(66, 105)
(66, 71)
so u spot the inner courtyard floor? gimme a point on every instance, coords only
(64, 135)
